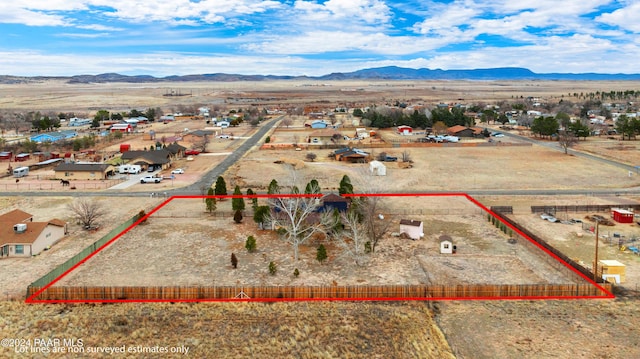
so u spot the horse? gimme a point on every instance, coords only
(64, 182)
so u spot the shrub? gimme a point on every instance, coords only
(268, 139)
(367, 247)
(250, 244)
(234, 261)
(237, 216)
(273, 268)
(296, 272)
(141, 214)
(321, 254)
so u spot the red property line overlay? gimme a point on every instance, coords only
(31, 300)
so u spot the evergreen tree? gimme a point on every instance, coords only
(273, 268)
(321, 254)
(273, 187)
(345, 186)
(234, 261)
(220, 187)
(260, 214)
(254, 201)
(210, 202)
(250, 244)
(237, 204)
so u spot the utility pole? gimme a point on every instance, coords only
(595, 261)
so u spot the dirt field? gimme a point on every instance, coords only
(495, 329)
(195, 250)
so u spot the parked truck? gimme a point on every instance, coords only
(151, 179)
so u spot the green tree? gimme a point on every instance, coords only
(254, 201)
(345, 186)
(580, 129)
(250, 244)
(273, 268)
(313, 187)
(220, 188)
(260, 215)
(210, 202)
(358, 112)
(237, 203)
(101, 115)
(321, 253)
(273, 187)
(544, 126)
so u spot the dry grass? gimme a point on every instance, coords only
(247, 330)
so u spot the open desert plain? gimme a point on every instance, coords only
(185, 243)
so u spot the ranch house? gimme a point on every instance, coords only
(20, 236)
(84, 171)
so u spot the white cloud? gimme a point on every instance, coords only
(625, 18)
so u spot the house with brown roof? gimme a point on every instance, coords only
(20, 236)
(157, 158)
(84, 171)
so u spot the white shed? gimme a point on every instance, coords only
(413, 229)
(377, 168)
(446, 247)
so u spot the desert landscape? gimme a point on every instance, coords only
(507, 173)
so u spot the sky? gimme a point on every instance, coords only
(313, 38)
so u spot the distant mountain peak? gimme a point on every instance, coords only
(378, 73)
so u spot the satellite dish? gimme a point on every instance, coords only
(381, 216)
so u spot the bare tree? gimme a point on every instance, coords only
(354, 238)
(566, 139)
(287, 122)
(370, 209)
(86, 211)
(311, 156)
(406, 156)
(292, 214)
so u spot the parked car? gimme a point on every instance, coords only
(224, 136)
(191, 152)
(177, 171)
(390, 159)
(497, 134)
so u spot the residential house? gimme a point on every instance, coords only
(176, 150)
(198, 136)
(411, 228)
(84, 171)
(157, 159)
(333, 201)
(20, 236)
(53, 136)
(319, 124)
(122, 127)
(352, 155)
(461, 131)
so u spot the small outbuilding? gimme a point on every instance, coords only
(622, 215)
(412, 229)
(612, 270)
(377, 168)
(446, 245)
(405, 130)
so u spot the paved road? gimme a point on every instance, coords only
(210, 177)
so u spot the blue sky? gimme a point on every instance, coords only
(300, 37)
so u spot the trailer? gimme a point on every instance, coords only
(20, 172)
(130, 169)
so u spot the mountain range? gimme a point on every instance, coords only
(379, 73)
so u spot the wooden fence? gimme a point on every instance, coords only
(398, 292)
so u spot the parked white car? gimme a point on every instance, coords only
(177, 171)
